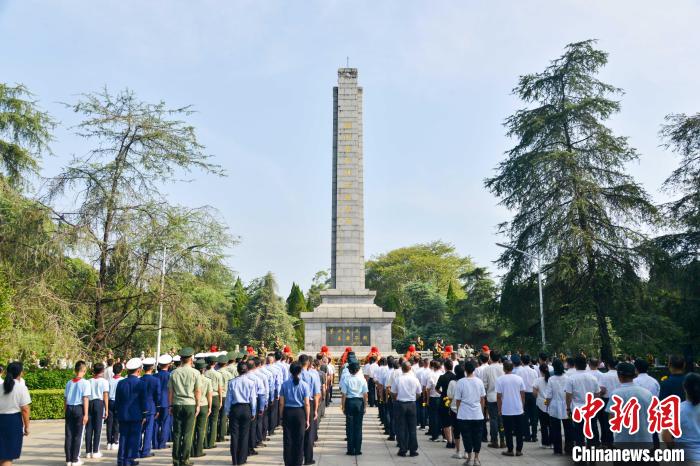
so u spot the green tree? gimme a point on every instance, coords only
(682, 135)
(565, 179)
(451, 299)
(476, 317)
(266, 318)
(239, 301)
(320, 282)
(25, 133)
(137, 146)
(296, 304)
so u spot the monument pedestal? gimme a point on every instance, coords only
(348, 318)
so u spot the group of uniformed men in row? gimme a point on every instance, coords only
(193, 403)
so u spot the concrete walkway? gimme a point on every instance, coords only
(44, 447)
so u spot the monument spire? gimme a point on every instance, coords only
(347, 247)
(347, 315)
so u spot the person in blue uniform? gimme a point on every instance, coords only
(164, 421)
(151, 394)
(314, 383)
(130, 405)
(295, 410)
(77, 405)
(354, 404)
(240, 407)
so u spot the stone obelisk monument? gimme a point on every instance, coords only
(347, 315)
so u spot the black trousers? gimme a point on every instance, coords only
(310, 435)
(253, 432)
(555, 430)
(112, 424)
(273, 420)
(93, 429)
(389, 415)
(606, 436)
(261, 432)
(530, 417)
(495, 422)
(74, 432)
(513, 426)
(544, 427)
(239, 430)
(470, 430)
(434, 415)
(354, 413)
(406, 425)
(294, 433)
(371, 393)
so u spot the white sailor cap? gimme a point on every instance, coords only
(165, 359)
(176, 358)
(133, 363)
(149, 361)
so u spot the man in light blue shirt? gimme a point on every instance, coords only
(240, 408)
(314, 381)
(626, 372)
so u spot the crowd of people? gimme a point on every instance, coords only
(505, 400)
(463, 399)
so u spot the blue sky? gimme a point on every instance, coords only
(437, 79)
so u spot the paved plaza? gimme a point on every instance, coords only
(44, 447)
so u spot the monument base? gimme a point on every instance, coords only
(348, 318)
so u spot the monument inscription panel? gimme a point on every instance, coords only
(352, 336)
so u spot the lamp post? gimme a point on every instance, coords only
(539, 284)
(160, 299)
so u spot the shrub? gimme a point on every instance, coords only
(47, 404)
(47, 379)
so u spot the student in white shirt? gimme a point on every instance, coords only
(112, 422)
(433, 400)
(459, 375)
(98, 410)
(470, 395)
(529, 376)
(539, 390)
(608, 383)
(490, 376)
(510, 389)
(555, 400)
(405, 389)
(578, 384)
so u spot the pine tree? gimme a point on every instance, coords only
(296, 304)
(565, 179)
(682, 134)
(266, 319)
(239, 301)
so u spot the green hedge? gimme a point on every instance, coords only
(47, 404)
(47, 379)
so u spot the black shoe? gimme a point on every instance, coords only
(402, 453)
(391, 438)
(310, 462)
(414, 453)
(358, 453)
(349, 453)
(252, 453)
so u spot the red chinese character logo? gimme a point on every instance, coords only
(587, 412)
(665, 415)
(624, 415)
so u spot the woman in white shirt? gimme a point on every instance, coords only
(459, 375)
(14, 414)
(538, 389)
(555, 399)
(471, 399)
